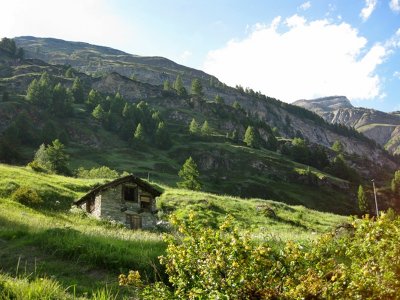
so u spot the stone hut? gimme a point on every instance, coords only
(127, 200)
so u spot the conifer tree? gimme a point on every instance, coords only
(77, 91)
(178, 86)
(117, 104)
(197, 88)
(193, 127)
(167, 85)
(60, 100)
(98, 113)
(163, 139)
(189, 175)
(205, 129)
(94, 98)
(139, 133)
(250, 137)
(58, 157)
(52, 157)
(395, 183)
(39, 92)
(69, 73)
(362, 200)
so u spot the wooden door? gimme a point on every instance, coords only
(134, 221)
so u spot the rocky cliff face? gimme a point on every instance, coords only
(384, 128)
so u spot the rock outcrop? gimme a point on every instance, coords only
(384, 128)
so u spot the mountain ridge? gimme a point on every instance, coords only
(380, 126)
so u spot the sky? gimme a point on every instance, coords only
(287, 49)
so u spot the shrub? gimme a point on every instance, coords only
(221, 264)
(101, 172)
(26, 196)
(35, 166)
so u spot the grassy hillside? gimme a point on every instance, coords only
(82, 254)
(225, 167)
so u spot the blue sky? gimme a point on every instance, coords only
(287, 49)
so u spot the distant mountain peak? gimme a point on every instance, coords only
(325, 104)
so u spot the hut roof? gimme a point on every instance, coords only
(127, 179)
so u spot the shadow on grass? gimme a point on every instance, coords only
(112, 254)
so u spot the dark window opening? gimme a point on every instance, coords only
(90, 204)
(145, 203)
(130, 193)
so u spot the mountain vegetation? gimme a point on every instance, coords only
(265, 186)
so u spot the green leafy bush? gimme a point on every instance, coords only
(26, 196)
(101, 172)
(362, 263)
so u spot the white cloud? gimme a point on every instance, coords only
(184, 56)
(395, 5)
(305, 5)
(91, 21)
(368, 9)
(301, 60)
(396, 74)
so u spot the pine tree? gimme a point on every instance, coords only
(58, 157)
(362, 200)
(39, 92)
(52, 157)
(77, 91)
(178, 86)
(33, 93)
(395, 184)
(205, 129)
(250, 137)
(93, 99)
(193, 127)
(60, 100)
(69, 73)
(117, 104)
(139, 133)
(98, 113)
(197, 88)
(163, 139)
(42, 157)
(167, 85)
(189, 175)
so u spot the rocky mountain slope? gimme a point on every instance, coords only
(226, 167)
(384, 128)
(98, 60)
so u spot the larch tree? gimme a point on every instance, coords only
(197, 88)
(362, 200)
(189, 175)
(193, 127)
(178, 86)
(139, 133)
(205, 129)
(77, 91)
(250, 137)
